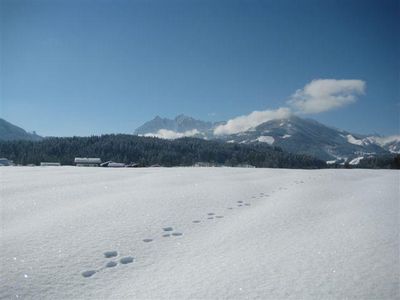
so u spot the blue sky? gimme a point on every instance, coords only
(89, 67)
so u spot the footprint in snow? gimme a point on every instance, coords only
(240, 205)
(247, 204)
(169, 232)
(109, 254)
(126, 260)
(239, 201)
(147, 240)
(88, 273)
(111, 264)
(196, 221)
(210, 218)
(210, 214)
(219, 217)
(230, 207)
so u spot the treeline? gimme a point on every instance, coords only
(147, 151)
(381, 162)
(386, 161)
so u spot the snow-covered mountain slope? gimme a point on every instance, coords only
(198, 233)
(390, 143)
(306, 136)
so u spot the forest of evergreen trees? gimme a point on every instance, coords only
(390, 161)
(147, 151)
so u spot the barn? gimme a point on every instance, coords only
(87, 161)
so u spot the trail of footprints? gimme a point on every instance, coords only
(169, 232)
(110, 264)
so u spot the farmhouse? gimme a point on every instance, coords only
(133, 165)
(6, 162)
(112, 164)
(87, 161)
(50, 164)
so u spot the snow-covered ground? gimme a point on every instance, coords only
(235, 233)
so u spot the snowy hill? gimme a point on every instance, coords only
(199, 233)
(11, 132)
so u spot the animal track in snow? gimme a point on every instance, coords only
(88, 273)
(126, 260)
(219, 217)
(210, 214)
(147, 240)
(196, 221)
(109, 254)
(170, 232)
(111, 264)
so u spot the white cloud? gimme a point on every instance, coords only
(325, 94)
(317, 96)
(254, 119)
(171, 135)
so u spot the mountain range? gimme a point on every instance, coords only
(182, 124)
(292, 134)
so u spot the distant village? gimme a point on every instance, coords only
(97, 162)
(80, 162)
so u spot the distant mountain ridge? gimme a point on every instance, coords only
(179, 124)
(11, 132)
(292, 134)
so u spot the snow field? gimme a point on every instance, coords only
(210, 233)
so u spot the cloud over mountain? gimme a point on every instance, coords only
(171, 135)
(325, 94)
(243, 123)
(315, 97)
